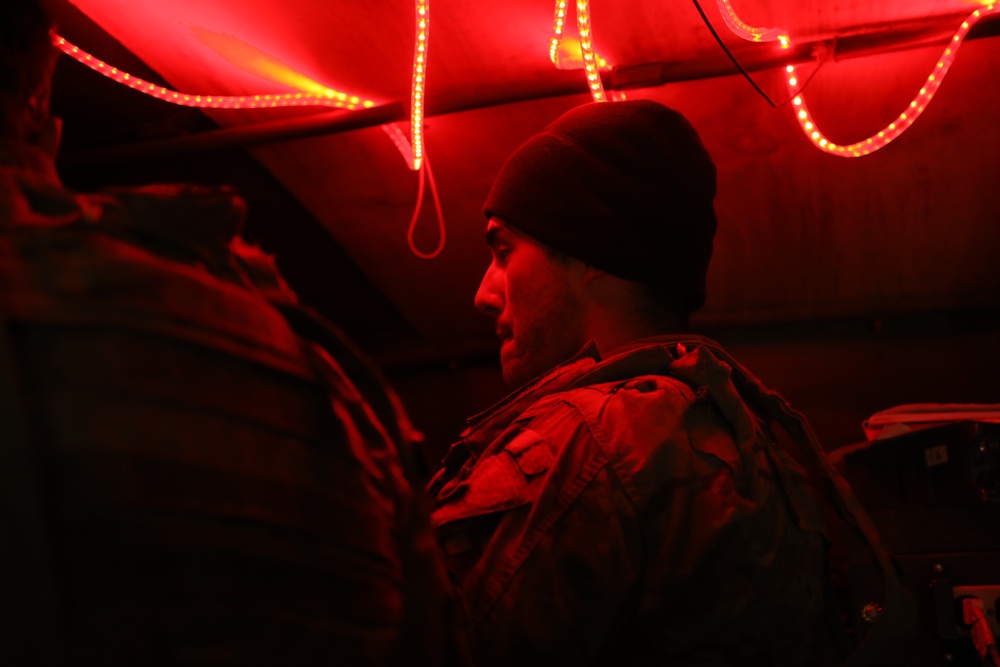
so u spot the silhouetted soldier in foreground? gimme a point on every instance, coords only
(195, 469)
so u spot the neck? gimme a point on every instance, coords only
(620, 311)
(620, 324)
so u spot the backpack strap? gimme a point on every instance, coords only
(895, 614)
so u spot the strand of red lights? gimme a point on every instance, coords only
(412, 150)
(429, 173)
(419, 161)
(587, 49)
(417, 88)
(328, 98)
(881, 138)
(749, 32)
(566, 52)
(400, 141)
(397, 137)
(905, 119)
(558, 25)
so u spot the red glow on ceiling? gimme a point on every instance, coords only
(569, 54)
(253, 60)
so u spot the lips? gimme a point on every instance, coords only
(506, 338)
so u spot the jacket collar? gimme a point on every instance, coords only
(652, 355)
(483, 428)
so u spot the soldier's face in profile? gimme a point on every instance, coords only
(537, 301)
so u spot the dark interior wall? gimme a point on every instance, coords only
(840, 373)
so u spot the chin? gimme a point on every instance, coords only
(519, 374)
(513, 376)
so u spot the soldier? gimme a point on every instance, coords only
(196, 469)
(632, 501)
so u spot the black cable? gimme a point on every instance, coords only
(746, 75)
(803, 86)
(731, 56)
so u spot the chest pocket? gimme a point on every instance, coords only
(498, 482)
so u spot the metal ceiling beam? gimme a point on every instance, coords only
(240, 136)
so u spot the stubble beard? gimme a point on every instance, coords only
(523, 359)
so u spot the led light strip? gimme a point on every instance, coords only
(587, 48)
(418, 160)
(330, 98)
(558, 24)
(593, 63)
(400, 141)
(417, 88)
(412, 150)
(426, 173)
(909, 114)
(749, 32)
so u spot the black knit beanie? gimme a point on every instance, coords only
(627, 187)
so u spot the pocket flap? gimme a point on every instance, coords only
(496, 484)
(499, 482)
(531, 453)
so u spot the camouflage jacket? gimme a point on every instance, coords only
(636, 510)
(260, 508)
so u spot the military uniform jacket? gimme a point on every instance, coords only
(635, 510)
(224, 479)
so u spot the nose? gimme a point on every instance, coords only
(489, 296)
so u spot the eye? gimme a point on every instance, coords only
(501, 254)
